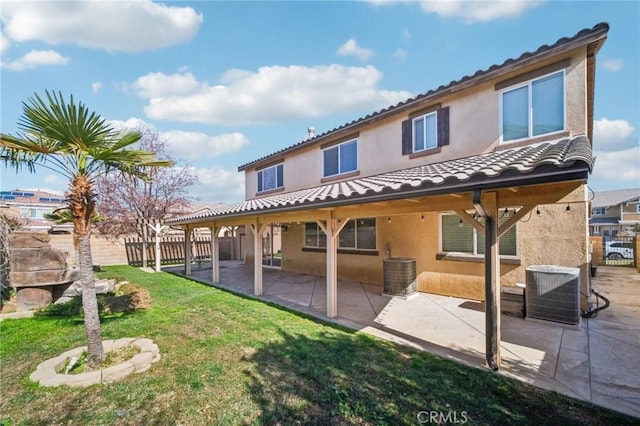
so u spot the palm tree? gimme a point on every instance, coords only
(67, 138)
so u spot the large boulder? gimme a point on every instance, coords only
(74, 289)
(36, 269)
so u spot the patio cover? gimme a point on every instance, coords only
(522, 176)
(561, 160)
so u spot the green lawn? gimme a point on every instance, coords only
(231, 360)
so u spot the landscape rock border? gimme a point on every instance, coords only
(48, 372)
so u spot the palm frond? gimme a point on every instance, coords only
(64, 136)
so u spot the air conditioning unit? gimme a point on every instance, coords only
(399, 276)
(553, 294)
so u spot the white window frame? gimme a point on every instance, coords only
(262, 171)
(338, 147)
(638, 208)
(318, 233)
(37, 212)
(356, 248)
(413, 134)
(475, 239)
(597, 211)
(529, 85)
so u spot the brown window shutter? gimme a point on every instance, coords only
(407, 138)
(443, 126)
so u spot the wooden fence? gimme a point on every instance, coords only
(172, 250)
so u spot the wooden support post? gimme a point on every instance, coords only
(232, 229)
(157, 229)
(145, 246)
(492, 282)
(187, 251)
(331, 227)
(257, 230)
(215, 255)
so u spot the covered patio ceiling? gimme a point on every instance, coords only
(523, 177)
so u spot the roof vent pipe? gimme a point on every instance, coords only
(312, 132)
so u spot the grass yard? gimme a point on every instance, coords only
(232, 360)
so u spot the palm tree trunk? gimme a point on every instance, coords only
(90, 305)
(82, 204)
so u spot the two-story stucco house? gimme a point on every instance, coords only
(476, 180)
(615, 212)
(29, 207)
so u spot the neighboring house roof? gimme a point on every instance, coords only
(537, 163)
(584, 36)
(604, 221)
(17, 199)
(614, 197)
(25, 196)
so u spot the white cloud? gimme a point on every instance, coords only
(196, 145)
(129, 26)
(269, 95)
(217, 184)
(132, 123)
(477, 10)
(189, 145)
(157, 84)
(469, 10)
(400, 53)
(4, 43)
(96, 86)
(351, 48)
(55, 180)
(619, 168)
(612, 64)
(612, 135)
(406, 34)
(35, 59)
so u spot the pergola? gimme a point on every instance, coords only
(520, 178)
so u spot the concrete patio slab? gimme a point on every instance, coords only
(597, 362)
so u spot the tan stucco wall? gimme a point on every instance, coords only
(104, 251)
(474, 129)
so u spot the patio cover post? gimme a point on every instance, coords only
(215, 255)
(187, 251)
(257, 230)
(492, 282)
(232, 229)
(332, 227)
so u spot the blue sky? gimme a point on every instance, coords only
(228, 82)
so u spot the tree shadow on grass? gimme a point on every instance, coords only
(340, 378)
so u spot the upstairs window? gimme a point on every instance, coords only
(637, 208)
(423, 132)
(271, 178)
(597, 211)
(34, 213)
(340, 159)
(534, 108)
